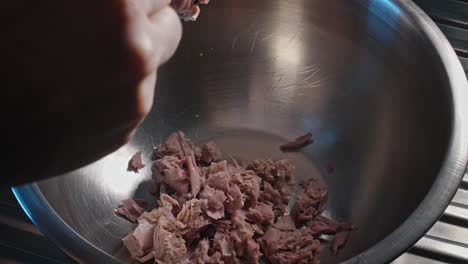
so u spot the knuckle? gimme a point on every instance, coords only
(140, 50)
(140, 63)
(173, 34)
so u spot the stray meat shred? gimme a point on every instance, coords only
(214, 211)
(130, 209)
(188, 10)
(135, 164)
(297, 143)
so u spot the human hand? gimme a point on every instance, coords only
(79, 78)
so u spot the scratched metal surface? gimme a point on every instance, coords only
(23, 243)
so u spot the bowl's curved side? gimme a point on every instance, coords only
(454, 165)
(55, 229)
(426, 214)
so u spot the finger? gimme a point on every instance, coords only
(151, 39)
(165, 30)
(166, 33)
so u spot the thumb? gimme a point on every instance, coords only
(154, 31)
(166, 32)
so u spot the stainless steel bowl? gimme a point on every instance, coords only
(374, 80)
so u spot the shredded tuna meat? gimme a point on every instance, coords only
(168, 244)
(140, 242)
(209, 152)
(130, 209)
(202, 255)
(214, 202)
(262, 214)
(188, 10)
(273, 171)
(194, 218)
(340, 240)
(170, 203)
(135, 164)
(285, 223)
(311, 201)
(297, 246)
(297, 143)
(218, 176)
(249, 184)
(212, 210)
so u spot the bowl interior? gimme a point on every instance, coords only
(251, 74)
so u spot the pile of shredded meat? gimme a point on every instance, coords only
(214, 211)
(188, 10)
